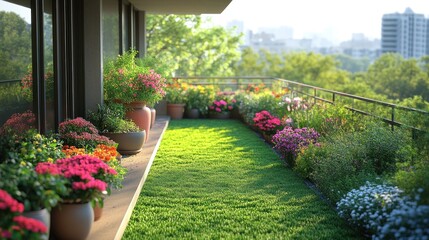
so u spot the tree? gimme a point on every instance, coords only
(190, 48)
(15, 46)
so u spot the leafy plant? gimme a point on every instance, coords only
(111, 118)
(200, 97)
(176, 92)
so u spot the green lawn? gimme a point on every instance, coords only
(216, 179)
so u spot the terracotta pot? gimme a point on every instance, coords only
(72, 221)
(128, 143)
(43, 216)
(141, 115)
(98, 211)
(152, 117)
(193, 113)
(220, 115)
(176, 110)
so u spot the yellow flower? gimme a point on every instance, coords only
(39, 150)
(50, 160)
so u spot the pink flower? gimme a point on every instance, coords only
(229, 107)
(211, 107)
(218, 109)
(7, 202)
(30, 224)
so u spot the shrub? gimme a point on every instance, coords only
(289, 141)
(111, 118)
(307, 159)
(414, 180)
(385, 212)
(266, 123)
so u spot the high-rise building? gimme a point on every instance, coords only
(406, 34)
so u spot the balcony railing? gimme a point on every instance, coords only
(392, 114)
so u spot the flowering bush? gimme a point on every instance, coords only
(289, 141)
(265, 122)
(176, 92)
(221, 106)
(82, 134)
(86, 177)
(200, 98)
(19, 123)
(33, 147)
(125, 80)
(385, 212)
(15, 226)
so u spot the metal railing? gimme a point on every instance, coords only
(390, 113)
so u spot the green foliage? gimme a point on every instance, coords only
(232, 186)
(15, 46)
(35, 191)
(352, 64)
(414, 180)
(33, 148)
(308, 158)
(190, 49)
(256, 102)
(111, 118)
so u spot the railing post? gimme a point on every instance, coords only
(333, 98)
(393, 118)
(315, 95)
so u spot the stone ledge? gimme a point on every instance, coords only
(119, 206)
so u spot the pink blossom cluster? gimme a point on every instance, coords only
(220, 106)
(289, 141)
(12, 221)
(7, 202)
(19, 123)
(265, 122)
(84, 172)
(153, 81)
(81, 133)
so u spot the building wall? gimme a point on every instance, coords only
(405, 34)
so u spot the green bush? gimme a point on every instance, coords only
(414, 180)
(253, 103)
(308, 158)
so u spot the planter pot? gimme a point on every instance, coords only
(141, 115)
(152, 116)
(72, 221)
(98, 211)
(193, 113)
(220, 115)
(176, 111)
(128, 143)
(43, 216)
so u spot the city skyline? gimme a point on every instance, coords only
(333, 20)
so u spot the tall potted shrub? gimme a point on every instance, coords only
(134, 85)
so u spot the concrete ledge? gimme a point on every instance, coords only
(119, 206)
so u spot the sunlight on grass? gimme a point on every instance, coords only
(217, 179)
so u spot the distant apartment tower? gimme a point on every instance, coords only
(406, 34)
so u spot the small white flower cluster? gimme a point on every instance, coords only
(385, 212)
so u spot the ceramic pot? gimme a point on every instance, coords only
(175, 110)
(98, 211)
(220, 115)
(43, 216)
(193, 113)
(128, 143)
(72, 221)
(152, 117)
(140, 114)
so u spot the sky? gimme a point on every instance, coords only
(336, 20)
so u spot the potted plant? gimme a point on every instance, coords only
(110, 120)
(220, 109)
(86, 179)
(15, 226)
(176, 96)
(126, 81)
(198, 99)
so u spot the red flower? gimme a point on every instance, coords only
(7, 202)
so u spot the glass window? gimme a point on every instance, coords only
(16, 95)
(49, 66)
(110, 29)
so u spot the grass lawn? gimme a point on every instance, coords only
(216, 179)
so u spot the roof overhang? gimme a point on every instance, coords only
(196, 7)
